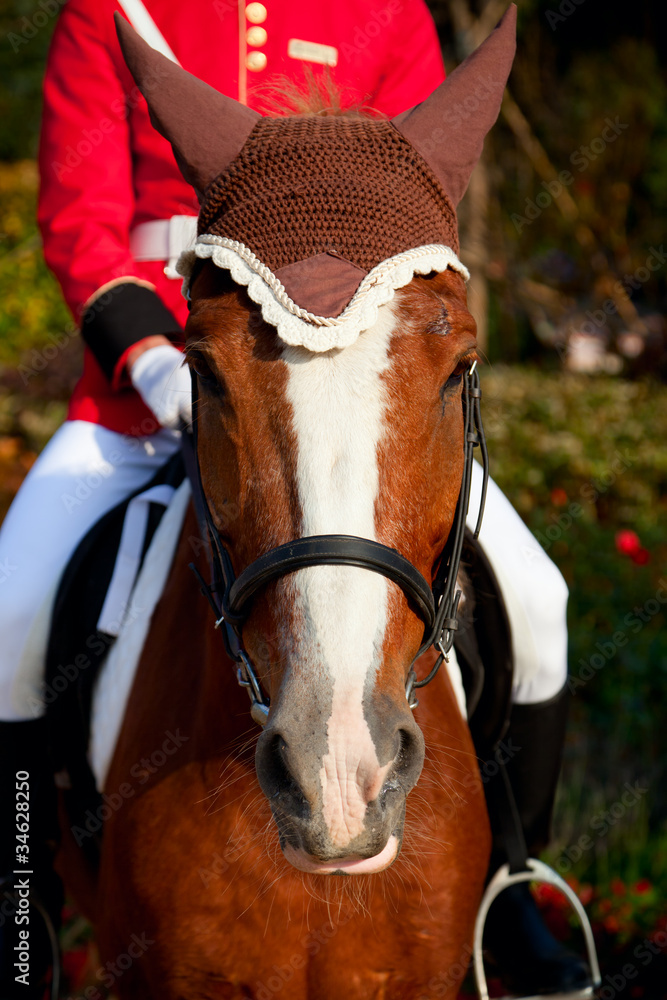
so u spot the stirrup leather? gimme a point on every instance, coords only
(537, 871)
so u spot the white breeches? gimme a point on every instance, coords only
(535, 595)
(85, 470)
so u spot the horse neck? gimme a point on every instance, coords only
(185, 683)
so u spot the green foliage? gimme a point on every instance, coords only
(582, 458)
(25, 31)
(32, 305)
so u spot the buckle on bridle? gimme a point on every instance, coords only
(441, 636)
(247, 678)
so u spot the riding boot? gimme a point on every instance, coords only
(526, 953)
(31, 894)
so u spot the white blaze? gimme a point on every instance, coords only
(338, 401)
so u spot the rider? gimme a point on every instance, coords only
(115, 213)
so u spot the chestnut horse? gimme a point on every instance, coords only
(216, 874)
(193, 861)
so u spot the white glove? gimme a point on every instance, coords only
(162, 379)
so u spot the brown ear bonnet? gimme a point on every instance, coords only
(323, 217)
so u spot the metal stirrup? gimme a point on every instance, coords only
(537, 871)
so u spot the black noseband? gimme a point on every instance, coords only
(332, 550)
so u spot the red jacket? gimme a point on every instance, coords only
(104, 169)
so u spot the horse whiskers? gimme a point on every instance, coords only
(239, 745)
(263, 889)
(439, 757)
(328, 890)
(436, 744)
(454, 795)
(215, 792)
(212, 812)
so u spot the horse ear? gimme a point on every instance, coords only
(449, 127)
(206, 129)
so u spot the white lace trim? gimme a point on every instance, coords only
(298, 327)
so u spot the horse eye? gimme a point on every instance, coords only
(203, 372)
(453, 382)
(455, 379)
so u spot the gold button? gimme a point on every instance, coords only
(256, 36)
(256, 13)
(256, 61)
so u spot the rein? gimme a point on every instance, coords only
(437, 604)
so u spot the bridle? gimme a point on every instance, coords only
(437, 603)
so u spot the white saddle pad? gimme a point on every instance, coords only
(116, 677)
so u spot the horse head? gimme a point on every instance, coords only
(329, 338)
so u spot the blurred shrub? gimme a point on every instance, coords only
(32, 306)
(583, 458)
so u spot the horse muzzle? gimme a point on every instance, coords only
(338, 809)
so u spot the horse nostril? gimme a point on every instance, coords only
(409, 757)
(273, 771)
(405, 742)
(276, 767)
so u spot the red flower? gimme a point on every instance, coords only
(641, 557)
(558, 497)
(549, 895)
(627, 543)
(618, 887)
(611, 925)
(642, 886)
(74, 965)
(586, 894)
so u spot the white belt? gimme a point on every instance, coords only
(164, 239)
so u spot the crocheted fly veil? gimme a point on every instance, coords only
(322, 218)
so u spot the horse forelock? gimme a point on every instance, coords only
(314, 94)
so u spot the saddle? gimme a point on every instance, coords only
(86, 621)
